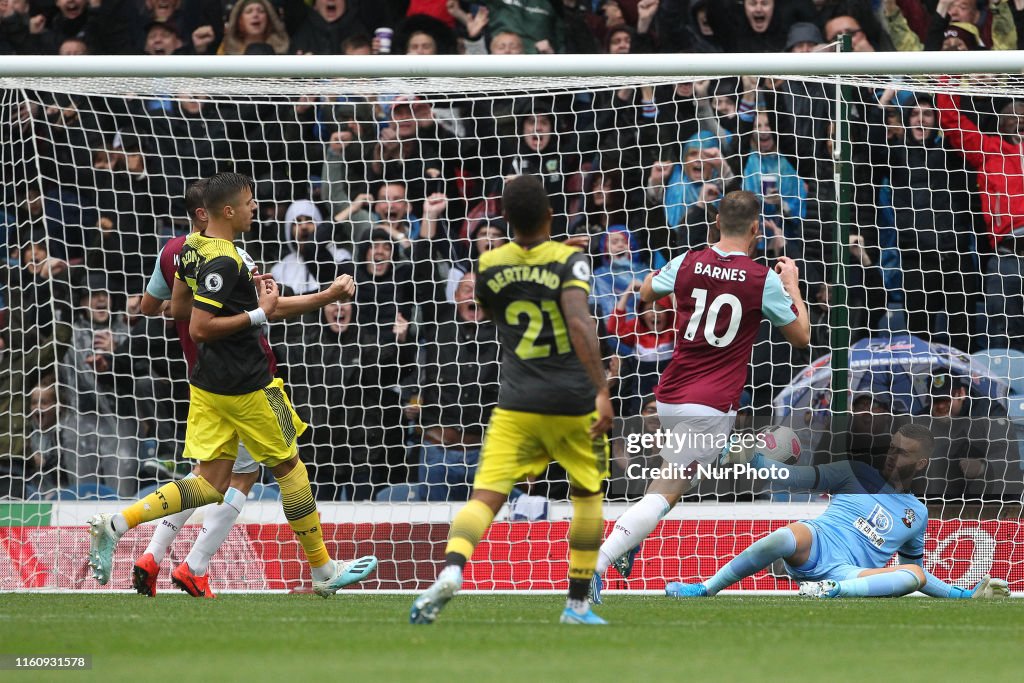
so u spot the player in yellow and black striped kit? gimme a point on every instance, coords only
(234, 397)
(553, 403)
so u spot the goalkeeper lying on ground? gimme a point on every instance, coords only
(844, 552)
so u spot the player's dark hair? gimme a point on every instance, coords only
(195, 198)
(223, 188)
(525, 205)
(918, 432)
(737, 211)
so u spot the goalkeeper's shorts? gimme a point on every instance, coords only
(824, 562)
(518, 445)
(263, 421)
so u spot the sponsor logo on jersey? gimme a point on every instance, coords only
(864, 526)
(581, 271)
(875, 526)
(880, 519)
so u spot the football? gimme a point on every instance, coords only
(779, 443)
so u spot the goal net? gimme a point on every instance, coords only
(900, 198)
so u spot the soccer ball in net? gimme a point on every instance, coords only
(779, 443)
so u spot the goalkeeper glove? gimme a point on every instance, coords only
(986, 588)
(991, 588)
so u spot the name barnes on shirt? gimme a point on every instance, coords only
(720, 273)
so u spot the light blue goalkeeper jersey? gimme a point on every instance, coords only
(866, 520)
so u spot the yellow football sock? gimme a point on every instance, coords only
(184, 494)
(303, 518)
(468, 528)
(585, 533)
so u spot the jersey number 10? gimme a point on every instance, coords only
(711, 320)
(528, 348)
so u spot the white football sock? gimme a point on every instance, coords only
(323, 572)
(119, 524)
(164, 534)
(217, 523)
(451, 572)
(633, 526)
(167, 530)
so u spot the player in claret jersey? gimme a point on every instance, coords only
(722, 295)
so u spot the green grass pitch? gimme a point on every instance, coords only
(492, 638)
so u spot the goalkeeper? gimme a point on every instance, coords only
(845, 551)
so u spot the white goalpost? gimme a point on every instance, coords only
(894, 179)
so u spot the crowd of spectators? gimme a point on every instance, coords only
(403, 193)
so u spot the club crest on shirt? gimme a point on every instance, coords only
(909, 517)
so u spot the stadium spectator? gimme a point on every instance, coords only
(604, 205)
(856, 20)
(691, 31)
(968, 444)
(772, 177)
(357, 44)
(579, 19)
(73, 47)
(459, 391)
(162, 39)
(537, 22)
(754, 26)
(543, 151)
(420, 34)
(194, 136)
(324, 27)
(253, 21)
(997, 159)
(935, 229)
(126, 181)
(309, 250)
(698, 226)
(97, 336)
(619, 271)
(19, 32)
(487, 234)
(385, 305)
(115, 247)
(392, 213)
(651, 335)
(622, 39)
(506, 43)
(430, 152)
(875, 414)
(326, 373)
(109, 27)
(803, 37)
(69, 449)
(677, 187)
